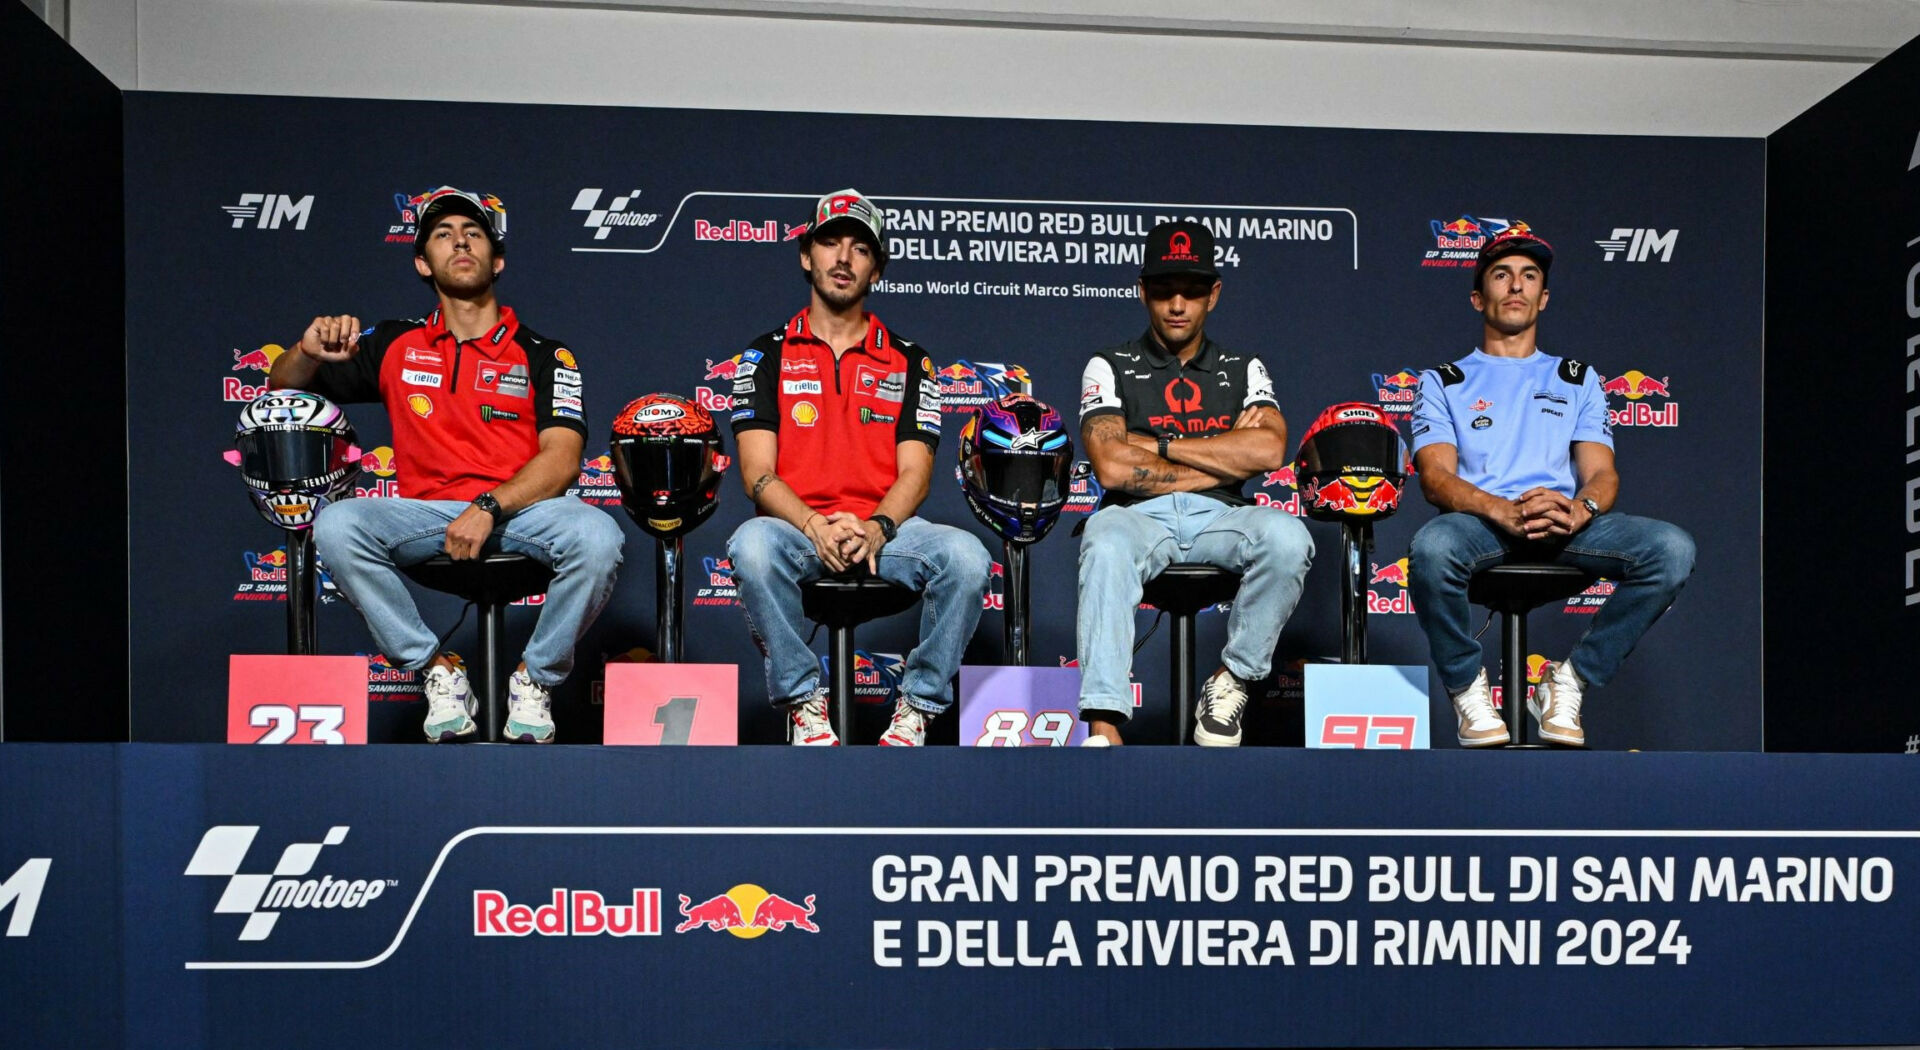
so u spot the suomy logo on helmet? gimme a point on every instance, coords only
(262, 897)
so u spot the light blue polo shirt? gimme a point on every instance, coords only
(1513, 419)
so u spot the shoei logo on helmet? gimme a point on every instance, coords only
(421, 404)
(262, 897)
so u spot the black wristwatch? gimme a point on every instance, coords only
(1592, 507)
(486, 502)
(887, 528)
(1166, 440)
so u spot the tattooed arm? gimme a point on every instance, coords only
(759, 454)
(1134, 468)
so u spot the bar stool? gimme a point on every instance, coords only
(491, 582)
(842, 603)
(1513, 591)
(1181, 591)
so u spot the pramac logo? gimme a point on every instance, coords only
(1180, 248)
(1183, 395)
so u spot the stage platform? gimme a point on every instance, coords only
(418, 896)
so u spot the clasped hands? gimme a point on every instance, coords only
(843, 539)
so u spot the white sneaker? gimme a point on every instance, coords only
(528, 707)
(1223, 698)
(909, 727)
(1479, 726)
(1095, 740)
(450, 703)
(811, 727)
(1556, 704)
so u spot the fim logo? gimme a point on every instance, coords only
(269, 211)
(603, 221)
(1639, 245)
(22, 890)
(1634, 385)
(261, 898)
(746, 911)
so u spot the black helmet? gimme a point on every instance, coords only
(1352, 464)
(297, 452)
(667, 459)
(1016, 464)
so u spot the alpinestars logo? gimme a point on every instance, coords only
(22, 892)
(261, 898)
(602, 221)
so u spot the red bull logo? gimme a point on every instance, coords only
(1352, 496)
(1590, 600)
(1395, 573)
(1536, 665)
(1284, 478)
(567, 913)
(258, 360)
(379, 463)
(995, 600)
(390, 683)
(1456, 242)
(747, 911)
(1396, 390)
(1634, 385)
(876, 676)
(707, 398)
(597, 486)
(969, 384)
(268, 567)
(728, 368)
(717, 587)
(1083, 490)
(408, 206)
(738, 230)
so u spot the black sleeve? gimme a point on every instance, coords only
(357, 379)
(920, 412)
(756, 389)
(558, 400)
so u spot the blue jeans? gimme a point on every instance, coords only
(1126, 546)
(363, 541)
(771, 559)
(1647, 560)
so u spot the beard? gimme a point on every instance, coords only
(837, 298)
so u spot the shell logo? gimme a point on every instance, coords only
(805, 414)
(421, 404)
(565, 357)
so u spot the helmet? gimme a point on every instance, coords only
(296, 451)
(1015, 467)
(666, 457)
(1352, 464)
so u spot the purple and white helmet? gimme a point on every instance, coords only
(297, 453)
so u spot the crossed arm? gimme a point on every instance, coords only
(1132, 463)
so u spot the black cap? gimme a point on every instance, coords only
(1514, 240)
(483, 207)
(1179, 248)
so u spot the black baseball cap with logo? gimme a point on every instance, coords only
(1517, 239)
(1179, 248)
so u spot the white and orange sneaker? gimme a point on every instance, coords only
(1556, 703)
(1479, 726)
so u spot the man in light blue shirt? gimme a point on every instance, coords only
(1513, 445)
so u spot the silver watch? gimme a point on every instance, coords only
(1592, 507)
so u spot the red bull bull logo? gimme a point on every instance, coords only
(1394, 573)
(727, 368)
(876, 676)
(1396, 390)
(970, 384)
(718, 587)
(1284, 478)
(389, 683)
(597, 486)
(233, 388)
(1634, 385)
(408, 206)
(378, 463)
(1456, 242)
(747, 911)
(1536, 665)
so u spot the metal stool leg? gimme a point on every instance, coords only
(493, 629)
(1183, 671)
(1513, 676)
(840, 683)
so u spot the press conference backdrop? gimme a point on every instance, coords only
(656, 243)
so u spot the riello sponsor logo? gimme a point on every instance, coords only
(567, 913)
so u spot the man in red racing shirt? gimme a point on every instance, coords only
(837, 418)
(488, 427)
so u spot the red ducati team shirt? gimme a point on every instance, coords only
(466, 415)
(838, 421)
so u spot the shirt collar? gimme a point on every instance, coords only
(877, 340)
(488, 344)
(1160, 357)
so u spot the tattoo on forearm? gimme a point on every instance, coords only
(1145, 482)
(760, 484)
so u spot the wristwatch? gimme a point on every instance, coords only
(1592, 507)
(887, 528)
(486, 502)
(1165, 441)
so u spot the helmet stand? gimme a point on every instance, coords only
(1014, 616)
(669, 597)
(302, 639)
(1356, 542)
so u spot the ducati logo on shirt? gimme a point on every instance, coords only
(510, 381)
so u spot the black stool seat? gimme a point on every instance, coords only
(1181, 591)
(1523, 587)
(491, 581)
(1513, 591)
(842, 603)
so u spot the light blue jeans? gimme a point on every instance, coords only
(1126, 546)
(771, 559)
(1647, 560)
(363, 541)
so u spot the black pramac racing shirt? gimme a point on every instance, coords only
(1155, 394)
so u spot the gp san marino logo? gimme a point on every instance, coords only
(262, 897)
